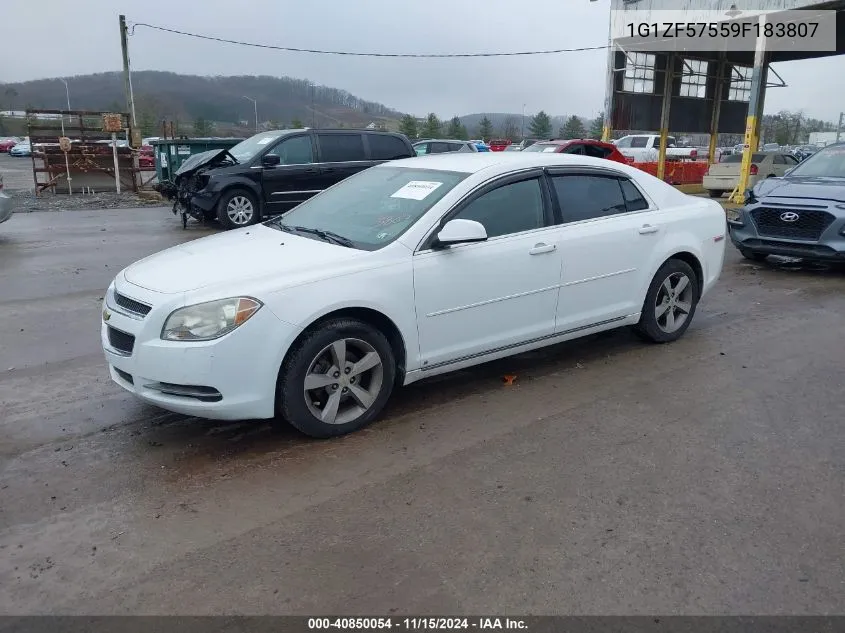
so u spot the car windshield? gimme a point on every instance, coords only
(826, 163)
(248, 149)
(372, 208)
(542, 147)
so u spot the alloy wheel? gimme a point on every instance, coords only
(240, 210)
(343, 381)
(674, 302)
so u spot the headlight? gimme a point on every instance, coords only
(734, 215)
(207, 321)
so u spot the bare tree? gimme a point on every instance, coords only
(510, 128)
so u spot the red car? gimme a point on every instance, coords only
(499, 144)
(581, 146)
(7, 143)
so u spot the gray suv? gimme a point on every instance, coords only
(801, 214)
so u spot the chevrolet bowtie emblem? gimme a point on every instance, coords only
(106, 315)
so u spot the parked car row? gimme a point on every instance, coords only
(8, 142)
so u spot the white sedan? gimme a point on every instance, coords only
(408, 270)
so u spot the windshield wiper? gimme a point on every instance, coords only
(326, 236)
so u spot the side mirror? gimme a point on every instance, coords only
(270, 160)
(460, 232)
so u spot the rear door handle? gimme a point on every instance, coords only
(645, 229)
(541, 248)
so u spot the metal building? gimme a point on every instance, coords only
(659, 79)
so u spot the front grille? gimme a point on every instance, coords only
(794, 249)
(131, 305)
(121, 341)
(808, 226)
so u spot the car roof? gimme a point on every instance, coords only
(443, 140)
(472, 163)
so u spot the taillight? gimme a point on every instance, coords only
(693, 154)
(753, 169)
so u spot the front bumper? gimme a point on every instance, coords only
(230, 378)
(830, 246)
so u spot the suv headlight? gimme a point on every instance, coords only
(207, 321)
(734, 215)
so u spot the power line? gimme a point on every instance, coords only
(359, 54)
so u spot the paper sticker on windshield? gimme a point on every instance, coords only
(549, 149)
(264, 141)
(417, 189)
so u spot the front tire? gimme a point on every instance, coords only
(715, 193)
(337, 378)
(237, 208)
(670, 303)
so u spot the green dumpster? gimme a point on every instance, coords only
(171, 153)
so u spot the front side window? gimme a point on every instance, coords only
(639, 141)
(375, 206)
(421, 149)
(508, 209)
(584, 197)
(339, 148)
(441, 148)
(625, 141)
(295, 151)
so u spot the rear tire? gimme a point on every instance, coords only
(715, 193)
(669, 304)
(336, 379)
(757, 257)
(237, 208)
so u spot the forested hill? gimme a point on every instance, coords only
(187, 98)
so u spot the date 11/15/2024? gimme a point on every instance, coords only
(417, 624)
(712, 30)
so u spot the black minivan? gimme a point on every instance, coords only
(274, 171)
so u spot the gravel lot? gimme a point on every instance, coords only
(613, 477)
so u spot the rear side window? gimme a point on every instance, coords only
(339, 148)
(384, 147)
(633, 198)
(441, 148)
(779, 160)
(588, 197)
(596, 151)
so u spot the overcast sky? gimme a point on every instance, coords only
(560, 84)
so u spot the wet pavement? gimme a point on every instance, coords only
(613, 477)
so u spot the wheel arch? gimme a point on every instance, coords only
(371, 316)
(694, 263)
(245, 184)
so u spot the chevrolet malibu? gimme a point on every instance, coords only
(404, 271)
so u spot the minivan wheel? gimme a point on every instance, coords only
(237, 208)
(670, 303)
(336, 379)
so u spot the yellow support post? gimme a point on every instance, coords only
(664, 114)
(758, 84)
(608, 95)
(717, 108)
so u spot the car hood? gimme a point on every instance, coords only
(802, 188)
(199, 160)
(241, 255)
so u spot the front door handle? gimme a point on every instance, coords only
(541, 248)
(645, 229)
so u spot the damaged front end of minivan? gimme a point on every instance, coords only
(188, 188)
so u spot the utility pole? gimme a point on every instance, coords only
(839, 126)
(127, 76)
(255, 107)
